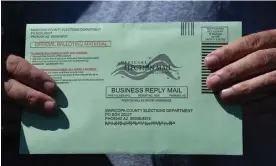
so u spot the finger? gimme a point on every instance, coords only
(247, 87)
(254, 64)
(240, 48)
(26, 73)
(26, 95)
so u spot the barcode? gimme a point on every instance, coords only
(187, 29)
(207, 48)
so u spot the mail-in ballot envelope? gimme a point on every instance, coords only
(132, 88)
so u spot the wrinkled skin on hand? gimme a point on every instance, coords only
(26, 85)
(244, 67)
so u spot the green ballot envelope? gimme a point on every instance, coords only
(132, 88)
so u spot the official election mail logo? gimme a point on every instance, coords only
(138, 70)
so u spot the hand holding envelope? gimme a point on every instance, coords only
(244, 67)
(27, 85)
(260, 49)
(237, 61)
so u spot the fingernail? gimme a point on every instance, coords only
(49, 86)
(226, 93)
(50, 106)
(211, 60)
(213, 81)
